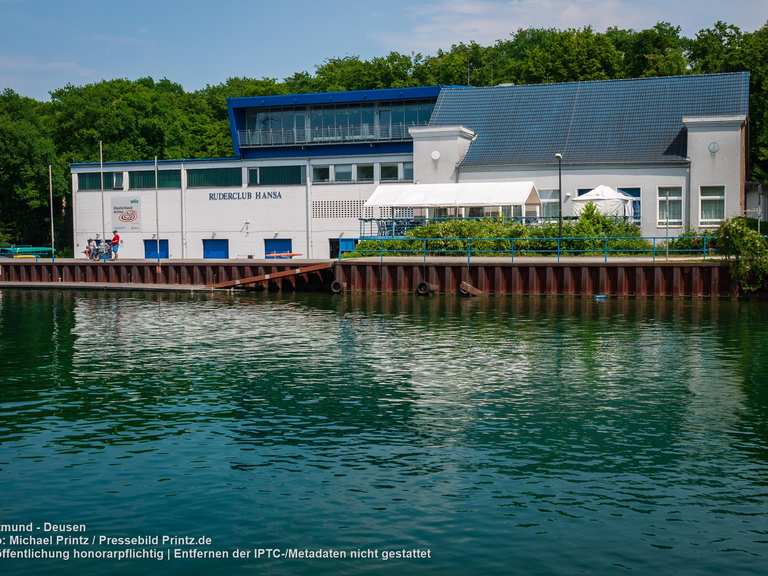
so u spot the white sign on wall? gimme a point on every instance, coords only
(126, 214)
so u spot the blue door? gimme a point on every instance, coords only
(150, 249)
(218, 249)
(347, 245)
(277, 246)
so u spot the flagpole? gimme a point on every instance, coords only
(50, 196)
(101, 173)
(157, 215)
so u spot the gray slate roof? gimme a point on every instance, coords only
(638, 120)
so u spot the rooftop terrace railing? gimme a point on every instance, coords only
(605, 247)
(324, 135)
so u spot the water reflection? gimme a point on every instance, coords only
(639, 423)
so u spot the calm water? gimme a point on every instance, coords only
(530, 436)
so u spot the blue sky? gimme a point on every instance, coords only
(44, 45)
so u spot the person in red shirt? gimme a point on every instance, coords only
(115, 244)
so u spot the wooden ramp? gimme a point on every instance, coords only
(266, 278)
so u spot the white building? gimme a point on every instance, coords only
(304, 165)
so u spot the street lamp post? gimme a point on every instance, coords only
(50, 203)
(560, 193)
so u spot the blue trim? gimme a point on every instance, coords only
(347, 97)
(330, 150)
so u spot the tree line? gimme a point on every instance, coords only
(138, 119)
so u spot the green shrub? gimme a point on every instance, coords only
(748, 252)
(692, 242)
(494, 237)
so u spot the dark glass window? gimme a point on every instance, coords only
(145, 179)
(343, 172)
(280, 175)
(89, 181)
(365, 172)
(215, 178)
(389, 172)
(92, 181)
(408, 171)
(321, 173)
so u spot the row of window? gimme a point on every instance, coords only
(319, 121)
(669, 201)
(233, 177)
(388, 172)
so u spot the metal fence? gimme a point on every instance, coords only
(605, 247)
(324, 134)
(396, 227)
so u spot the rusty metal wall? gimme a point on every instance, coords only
(637, 279)
(166, 273)
(702, 279)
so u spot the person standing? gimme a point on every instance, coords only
(115, 244)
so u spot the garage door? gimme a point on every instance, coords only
(150, 249)
(274, 246)
(216, 249)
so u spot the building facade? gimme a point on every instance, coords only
(304, 165)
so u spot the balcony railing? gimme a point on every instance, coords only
(313, 136)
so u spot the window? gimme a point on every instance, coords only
(342, 172)
(408, 171)
(389, 172)
(321, 173)
(670, 206)
(114, 181)
(89, 181)
(636, 205)
(215, 178)
(92, 181)
(276, 175)
(582, 191)
(365, 172)
(169, 178)
(145, 179)
(550, 207)
(712, 205)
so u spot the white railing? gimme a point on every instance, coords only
(355, 133)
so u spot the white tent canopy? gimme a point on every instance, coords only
(462, 194)
(607, 201)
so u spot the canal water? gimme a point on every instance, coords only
(505, 436)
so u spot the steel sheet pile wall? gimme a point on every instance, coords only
(179, 273)
(636, 279)
(700, 279)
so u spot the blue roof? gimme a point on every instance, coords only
(326, 98)
(638, 120)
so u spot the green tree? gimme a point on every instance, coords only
(26, 149)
